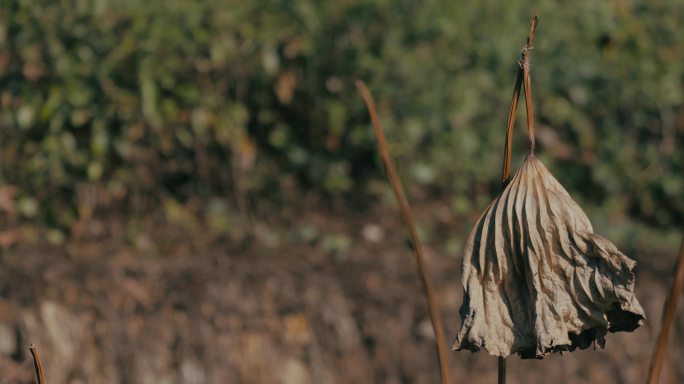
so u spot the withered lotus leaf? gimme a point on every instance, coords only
(537, 279)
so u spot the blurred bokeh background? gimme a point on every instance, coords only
(190, 191)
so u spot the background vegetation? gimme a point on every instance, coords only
(227, 105)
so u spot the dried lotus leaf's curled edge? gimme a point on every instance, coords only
(537, 279)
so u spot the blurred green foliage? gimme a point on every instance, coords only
(128, 103)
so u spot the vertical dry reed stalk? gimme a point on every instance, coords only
(669, 311)
(506, 168)
(37, 365)
(523, 74)
(407, 218)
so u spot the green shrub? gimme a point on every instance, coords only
(126, 102)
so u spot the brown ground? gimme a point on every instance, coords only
(172, 307)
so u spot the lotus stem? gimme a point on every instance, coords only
(37, 365)
(407, 218)
(669, 311)
(523, 74)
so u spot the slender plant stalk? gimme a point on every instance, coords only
(502, 370)
(37, 365)
(523, 67)
(522, 78)
(527, 87)
(669, 311)
(527, 83)
(409, 223)
(506, 173)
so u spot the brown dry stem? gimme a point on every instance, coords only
(524, 63)
(527, 83)
(669, 311)
(506, 173)
(523, 73)
(37, 365)
(407, 218)
(501, 370)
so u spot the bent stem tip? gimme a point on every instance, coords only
(37, 365)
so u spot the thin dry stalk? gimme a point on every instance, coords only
(522, 76)
(502, 370)
(407, 218)
(527, 83)
(669, 311)
(37, 365)
(506, 174)
(524, 63)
